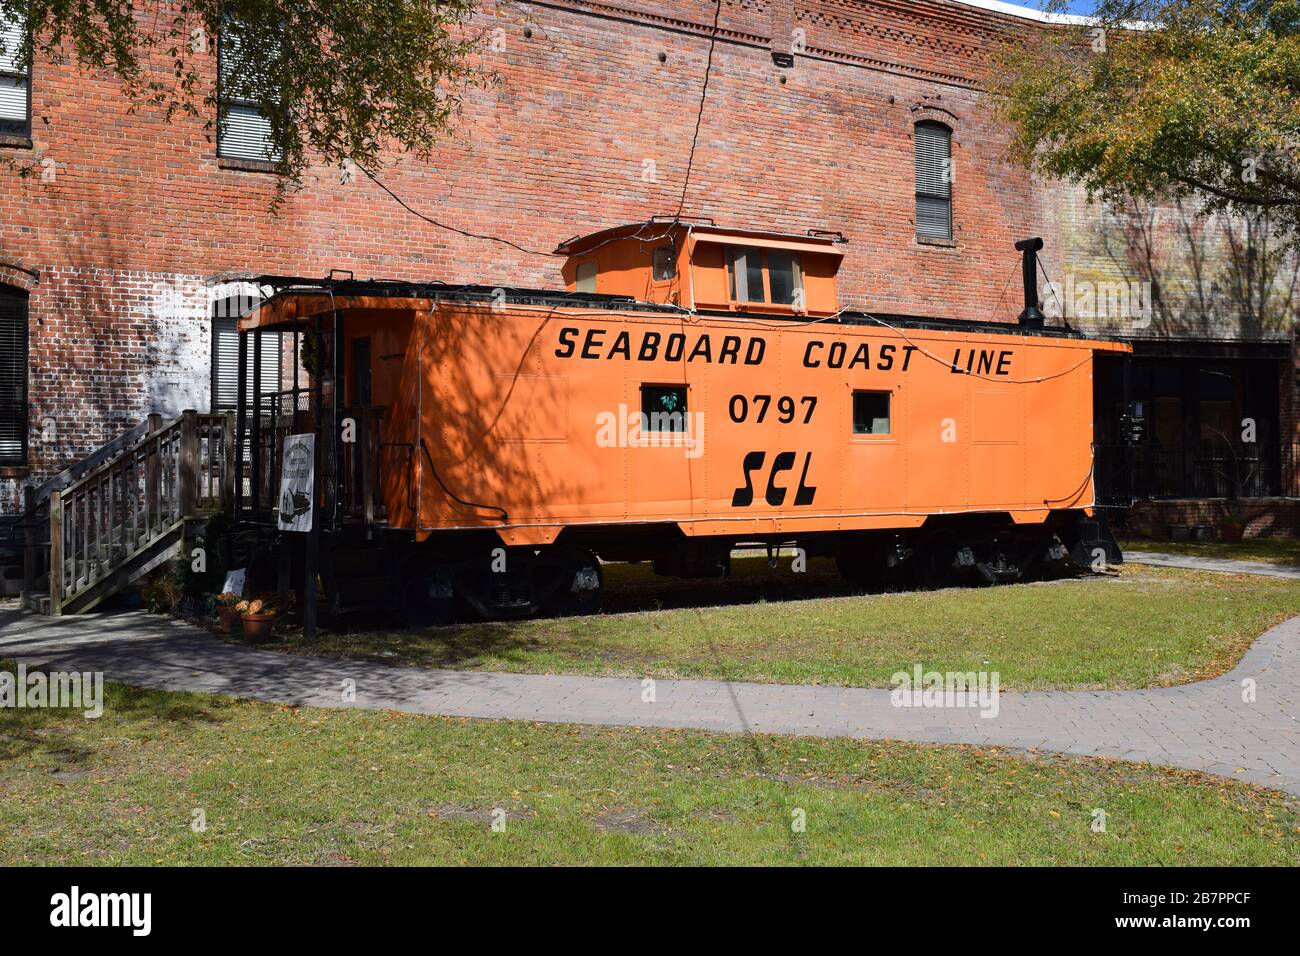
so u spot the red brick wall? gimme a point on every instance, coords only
(1264, 517)
(140, 207)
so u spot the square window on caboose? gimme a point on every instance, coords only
(663, 408)
(871, 413)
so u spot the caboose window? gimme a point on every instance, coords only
(665, 263)
(871, 413)
(663, 408)
(585, 277)
(783, 276)
(745, 273)
(756, 275)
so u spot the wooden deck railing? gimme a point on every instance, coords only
(137, 501)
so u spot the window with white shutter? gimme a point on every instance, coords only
(15, 83)
(243, 131)
(225, 359)
(933, 181)
(13, 376)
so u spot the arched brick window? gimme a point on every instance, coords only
(933, 146)
(13, 377)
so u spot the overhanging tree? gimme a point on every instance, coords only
(1166, 99)
(337, 80)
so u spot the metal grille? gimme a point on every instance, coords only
(1126, 473)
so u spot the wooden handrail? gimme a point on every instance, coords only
(132, 503)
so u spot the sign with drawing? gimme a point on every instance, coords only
(297, 481)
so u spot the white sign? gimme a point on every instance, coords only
(235, 582)
(297, 482)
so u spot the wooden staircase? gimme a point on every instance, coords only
(127, 515)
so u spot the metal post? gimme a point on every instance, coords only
(311, 564)
(256, 495)
(336, 425)
(241, 424)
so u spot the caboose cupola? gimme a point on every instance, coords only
(706, 267)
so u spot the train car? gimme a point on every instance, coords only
(693, 390)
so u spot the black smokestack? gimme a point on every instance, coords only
(1031, 317)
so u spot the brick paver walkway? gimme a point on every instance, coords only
(1205, 726)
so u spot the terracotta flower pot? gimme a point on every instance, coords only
(257, 627)
(228, 617)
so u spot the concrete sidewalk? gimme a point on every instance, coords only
(1224, 565)
(1205, 726)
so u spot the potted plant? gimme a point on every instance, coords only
(258, 617)
(226, 612)
(1231, 527)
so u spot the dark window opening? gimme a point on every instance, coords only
(14, 412)
(871, 413)
(784, 276)
(933, 143)
(15, 81)
(745, 274)
(665, 263)
(663, 408)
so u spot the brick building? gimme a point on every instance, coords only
(110, 253)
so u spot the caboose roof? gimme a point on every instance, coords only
(826, 243)
(296, 298)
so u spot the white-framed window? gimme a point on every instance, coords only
(15, 81)
(764, 275)
(243, 131)
(933, 142)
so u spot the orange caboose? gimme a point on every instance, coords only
(693, 390)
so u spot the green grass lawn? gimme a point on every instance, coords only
(1142, 627)
(279, 785)
(1268, 550)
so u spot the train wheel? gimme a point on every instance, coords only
(430, 595)
(580, 588)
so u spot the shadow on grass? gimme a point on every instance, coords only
(629, 588)
(52, 731)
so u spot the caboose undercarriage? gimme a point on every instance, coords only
(486, 580)
(472, 576)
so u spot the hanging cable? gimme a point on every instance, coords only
(442, 225)
(699, 115)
